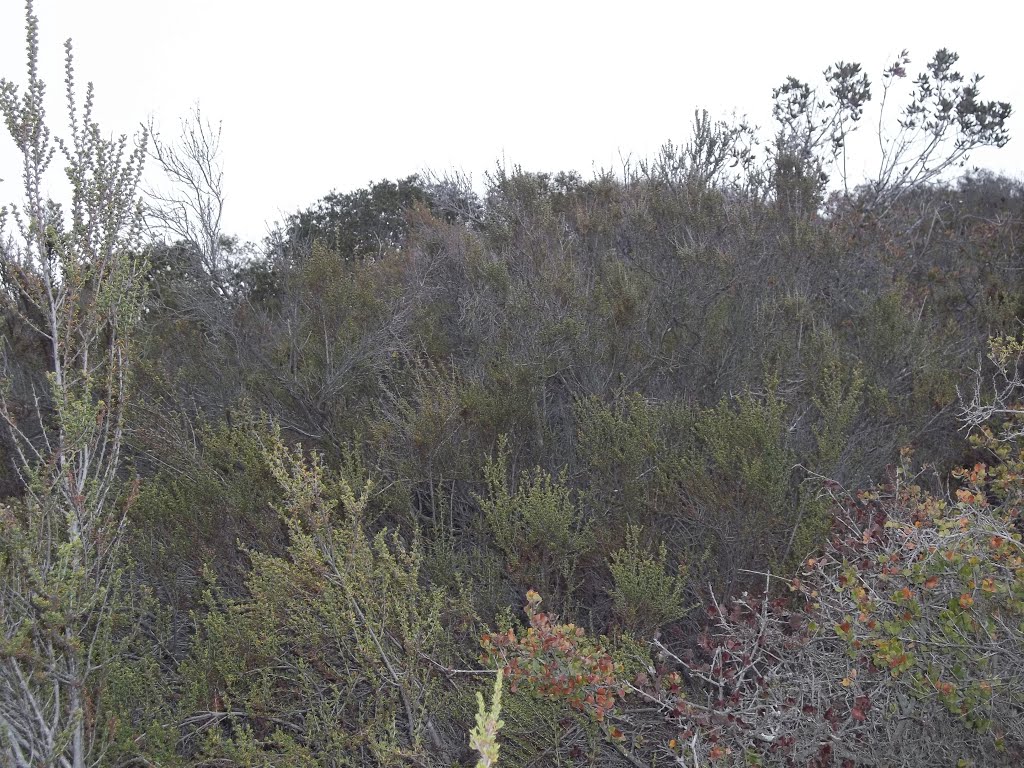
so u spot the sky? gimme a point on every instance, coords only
(317, 96)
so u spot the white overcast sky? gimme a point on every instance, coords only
(316, 96)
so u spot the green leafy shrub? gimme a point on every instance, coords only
(620, 445)
(337, 656)
(645, 594)
(537, 526)
(209, 495)
(838, 402)
(737, 474)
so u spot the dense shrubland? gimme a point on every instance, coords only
(751, 442)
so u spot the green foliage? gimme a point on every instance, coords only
(366, 223)
(140, 707)
(645, 594)
(503, 402)
(362, 640)
(595, 332)
(537, 525)
(900, 642)
(943, 121)
(484, 737)
(208, 496)
(838, 402)
(620, 446)
(72, 277)
(702, 162)
(738, 474)
(747, 437)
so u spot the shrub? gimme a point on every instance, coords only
(337, 656)
(737, 475)
(71, 277)
(645, 594)
(901, 643)
(537, 526)
(621, 448)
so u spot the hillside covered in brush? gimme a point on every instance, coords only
(716, 458)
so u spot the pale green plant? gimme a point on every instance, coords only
(341, 638)
(538, 526)
(646, 594)
(484, 737)
(838, 400)
(71, 278)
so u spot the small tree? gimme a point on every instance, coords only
(72, 277)
(190, 211)
(942, 122)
